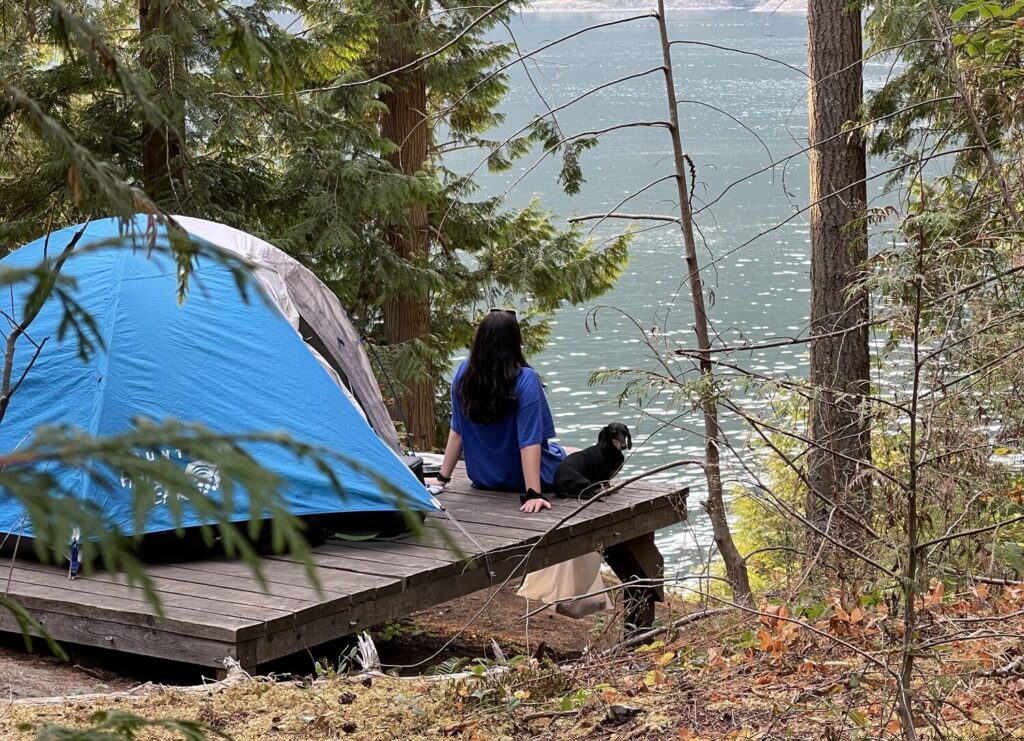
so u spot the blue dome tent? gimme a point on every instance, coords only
(290, 363)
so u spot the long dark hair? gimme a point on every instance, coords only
(487, 389)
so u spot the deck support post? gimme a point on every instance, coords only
(635, 559)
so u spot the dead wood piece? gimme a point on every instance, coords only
(235, 676)
(1013, 668)
(549, 714)
(644, 637)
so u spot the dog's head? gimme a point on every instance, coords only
(615, 436)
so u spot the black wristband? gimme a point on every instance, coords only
(531, 494)
(442, 478)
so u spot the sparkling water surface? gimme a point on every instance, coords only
(738, 115)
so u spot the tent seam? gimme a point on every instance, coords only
(99, 398)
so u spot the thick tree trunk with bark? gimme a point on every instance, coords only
(407, 316)
(735, 566)
(839, 371)
(163, 156)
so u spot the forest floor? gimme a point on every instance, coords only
(735, 674)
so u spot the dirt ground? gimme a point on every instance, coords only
(24, 674)
(501, 618)
(413, 645)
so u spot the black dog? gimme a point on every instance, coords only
(586, 472)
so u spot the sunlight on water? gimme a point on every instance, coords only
(757, 286)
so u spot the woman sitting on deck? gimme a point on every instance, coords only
(501, 421)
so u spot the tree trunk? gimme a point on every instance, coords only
(839, 372)
(735, 567)
(407, 316)
(163, 155)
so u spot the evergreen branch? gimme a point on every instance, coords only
(27, 625)
(125, 199)
(594, 134)
(972, 115)
(31, 476)
(536, 120)
(396, 70)
(109, 725)
(543, 47)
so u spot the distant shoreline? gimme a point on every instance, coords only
(595, 6)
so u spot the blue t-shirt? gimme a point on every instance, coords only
(492, 450)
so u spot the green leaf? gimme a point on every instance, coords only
(991, 10)
(959, 14)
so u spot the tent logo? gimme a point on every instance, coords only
(207, 476)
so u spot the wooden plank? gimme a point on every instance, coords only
(116, 590)
(483, 527)
(635, 492)
(432, 536)
(385, 553)
(388, 563)
(336, 583)
(368, 614)
(90, 630)
(638, 558)
(340, 587)
(595, 515)
(585, 520)
(227, 591)
(57, 587)
(244, 585)
(413, 550)
(217, 607)
(560, 508)
(45, 598)
(458, 503)
(486, 515)
(511, 501)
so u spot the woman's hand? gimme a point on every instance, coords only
(535, 505)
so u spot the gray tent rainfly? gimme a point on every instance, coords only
(313, 311)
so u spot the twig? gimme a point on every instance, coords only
(967, 533)
(1014, 667)
(549, 714)
(32, 311)
(648, 635)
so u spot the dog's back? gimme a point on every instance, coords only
(583, 473)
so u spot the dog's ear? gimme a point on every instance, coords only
(603, 437)
(629, 440)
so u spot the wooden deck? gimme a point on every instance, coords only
(215, 608)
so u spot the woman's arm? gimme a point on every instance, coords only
(530, 456)
(452, 451)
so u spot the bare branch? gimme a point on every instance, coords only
(734, 50)
(969, 533)
(32, 311)
(628, 217)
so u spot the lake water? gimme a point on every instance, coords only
(757, 286)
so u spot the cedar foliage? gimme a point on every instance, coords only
(307, 170)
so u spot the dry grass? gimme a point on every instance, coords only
(740, 676)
